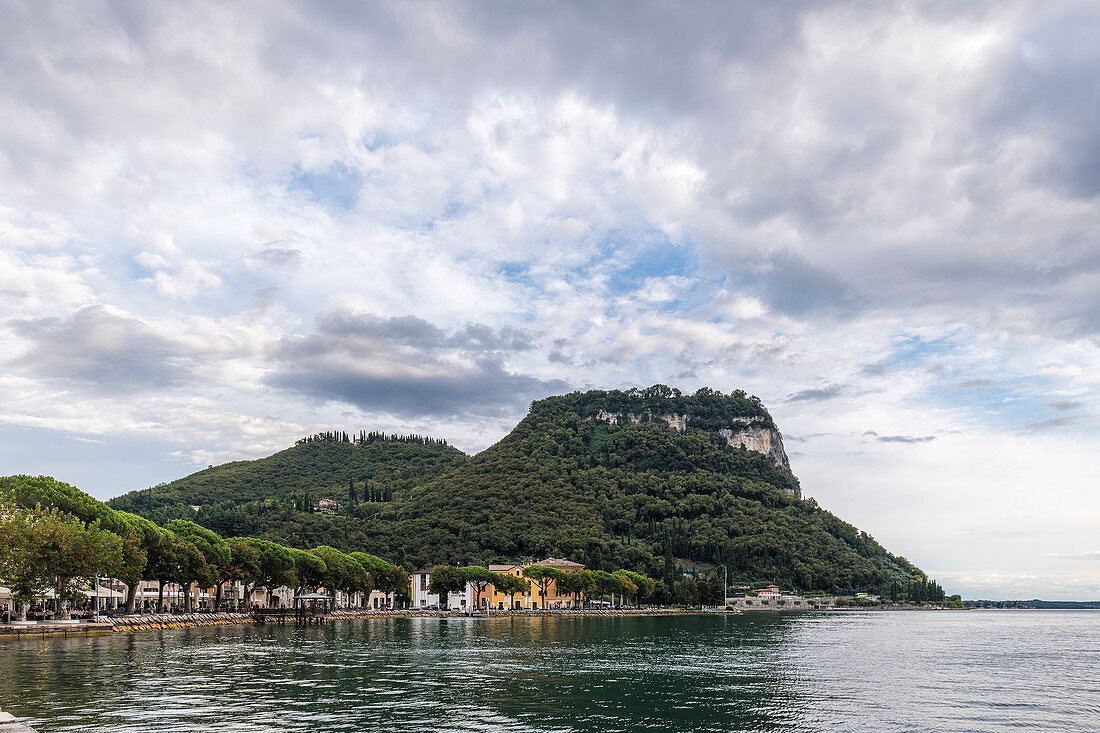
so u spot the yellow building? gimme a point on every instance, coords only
(533, 598)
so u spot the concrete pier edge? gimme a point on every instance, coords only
(10, 724)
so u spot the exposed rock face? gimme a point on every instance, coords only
(760, 439)
(750, 432)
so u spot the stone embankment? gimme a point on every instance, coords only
(10, 724)
(783, 603)
(127, 623)
(147, 622)
(174, 621)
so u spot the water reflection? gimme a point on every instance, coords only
(761, 672)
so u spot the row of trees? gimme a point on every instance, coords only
(366, 438)
(918, 590)
(52, 533)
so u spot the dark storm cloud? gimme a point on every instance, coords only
(105, 351)
(408, 366)
(647, 56)
(485, 389)
(820, 394)
(1053, 77)
(338, 327)
(791, 285)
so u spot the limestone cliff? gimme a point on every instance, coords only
(755, 433)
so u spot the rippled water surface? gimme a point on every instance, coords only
(935, 671)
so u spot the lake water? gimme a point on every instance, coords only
(918, 671)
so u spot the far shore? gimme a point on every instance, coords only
(151, 621)
(148, 622)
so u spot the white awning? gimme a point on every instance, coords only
(104, 592)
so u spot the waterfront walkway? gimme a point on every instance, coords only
(175, 621)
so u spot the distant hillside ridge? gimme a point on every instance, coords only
(325, 465)
(646, 478)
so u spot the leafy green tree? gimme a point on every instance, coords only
(643, 586)
(444, 580)
(627, 587)
(131, 566)
(542, 576)
(44, 491)
(28, 546)
(480, 578)
(668, 573)
(175, 561)
(358, 580)
(310, 570)
(342, 572)
(710, 590)
(685, 592)
(607, 584)
(275, 569)
(77, 550)
(141, 540)
(578, 582)
(215, 554)
(662, 594)
(511, 586)
(244, 562)
(385, 577)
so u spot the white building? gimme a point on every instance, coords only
(421, 598)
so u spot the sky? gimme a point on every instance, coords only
(226, 226)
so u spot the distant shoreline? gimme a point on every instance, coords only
(151, 622)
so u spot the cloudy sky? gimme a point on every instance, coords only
(225, 226)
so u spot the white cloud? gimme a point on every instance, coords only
(859, 207)
(186, 282)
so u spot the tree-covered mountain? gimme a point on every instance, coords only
(639, 479)
(331, 465)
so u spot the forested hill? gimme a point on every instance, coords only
(335, 466)
(603, 478)
(618, 493)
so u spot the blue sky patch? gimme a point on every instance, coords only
(336, 187)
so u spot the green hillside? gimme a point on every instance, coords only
(329, 466)
(605, 492)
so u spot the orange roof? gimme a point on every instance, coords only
(553, 562)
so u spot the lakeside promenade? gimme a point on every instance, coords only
(145, 622)
(108, 624)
